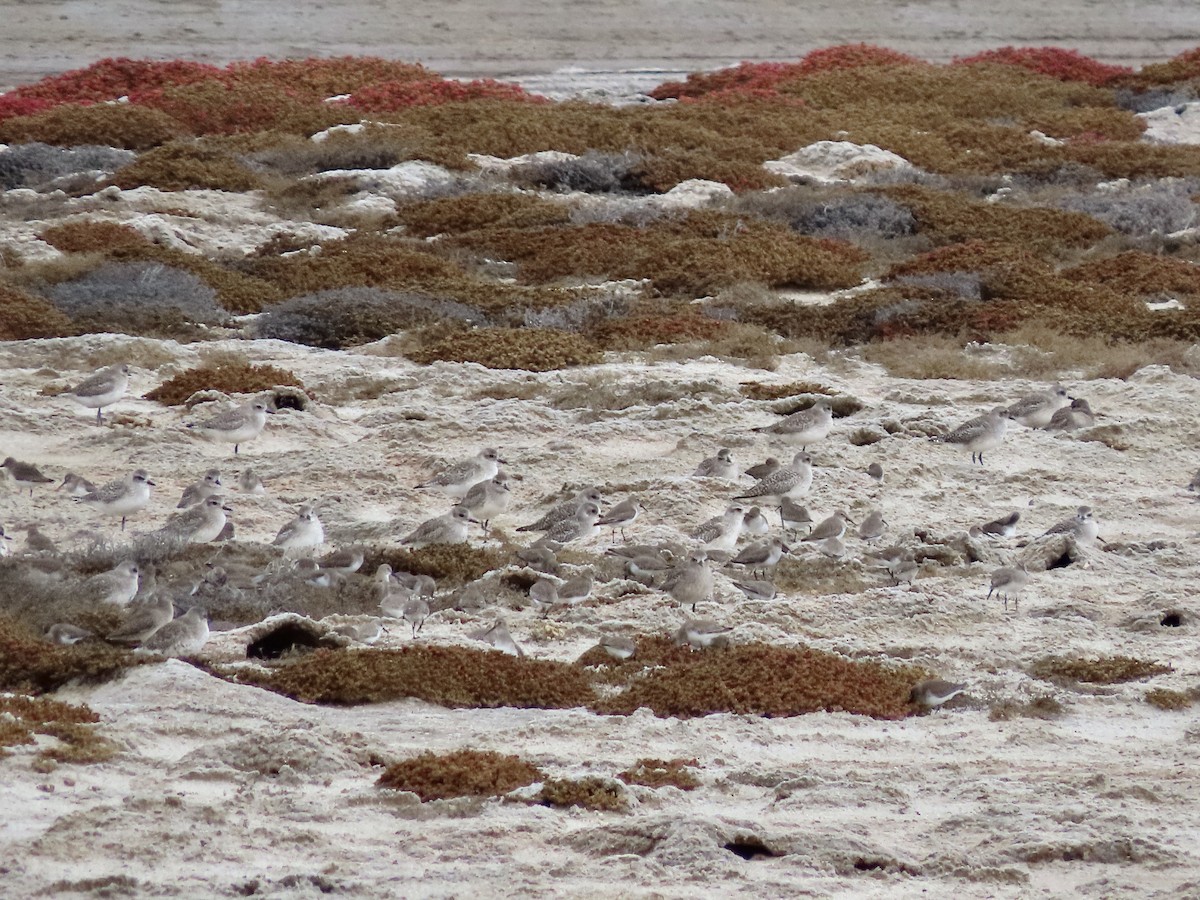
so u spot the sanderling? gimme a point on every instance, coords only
(143, 620)
(722, 532)
(875, 470)
(36, 542)
(362, 632)
(540, 559)
(565, 510)
(421, 585)
(691, 582)
(763, 469)
(832, 527)
(303, 531)
(415, 612)
(980, 434)
(250, 483)
(66, 633)
(488, 499)
(1082, 526)
(237, 426)
(202, 489)
(642, 567)
(804, 427)
(543, 594)
(103, 389)
(458, 479)
(699, 634)
(1036, 410)
(1004, 527)
(618, 646)
(25, 474)
(624, 513)
(792, 481)
(576, 590)
(754, 522)
(794, 516)
(761, 555)
(498, 636)
(1077, 415)
(343, 561)
(184, 636)
(1008, 582)
(581, 527)
(719, 466)
(118, 586)
(393, 596)
(451, 528)
(756, 590)
(201, 523)
(934, 692)
(76, 485)
(833, 547)
(121, 497)
(872, 527)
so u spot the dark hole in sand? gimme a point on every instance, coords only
(290, 400)
(750, 848)
(1172, 619)
(1059, 563)
(287, 638)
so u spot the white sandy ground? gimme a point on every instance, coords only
(219, 785)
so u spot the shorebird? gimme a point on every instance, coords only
(303, 531)
(25, 474)
(197, 491)
(618, 646)
(1008, 582)
(143, 620)
(790, 481)
(873, 526)
(565, 510)
(76, 485)
(118, 586)
(1082, 526)
(700, 634)
(624, 513)
(934, 692)
(102, 389)
(184, 636)
(458, 479)
(980, 434)
(581, 527)
(763, 469)
(201, 523)
(498, 637)
(237, 426)
(121, 497)
(451, 528)
(720, 466)
(692, 582)
(804, 427)
(1036, 410)
(722, 532)
(487, 499)
(761, 555)
(1004, 527)
(1078, 415)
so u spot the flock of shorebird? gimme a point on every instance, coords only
(741, 537)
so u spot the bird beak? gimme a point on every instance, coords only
(473, 519)
(499, 460)
(785, 548)
(149, 482)
(227, 508)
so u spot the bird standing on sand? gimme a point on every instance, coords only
(184, 636)
(1078, 415)
(122, 496)
(488, 499)
(118, 586)
(720, 466)
(1004, 527)
(457, 480)
(790, 481)
(143, 620)
(761, 555)
(201, 523)
(303, 531)
(581, 527)
(565, 510)
(1082, 527)
(722, 532)
(804, 427)
(1008, 582)
(980, 434)
(700, 634)
(692, 582)
(25, 474)
(934, 692)
(1036, 410)
(237, 426)
(102, 389)
(201, 490)
(624, 513)
(451, 528)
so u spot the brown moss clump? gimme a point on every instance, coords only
(1169, 700)
(641, 332)
(450, 564)
(183, 165)
(656, 773)
(590, 792)
(32, 666)
(1140, 273)
(23, 717)
(107, 124)
(531, 349)
(89, 236)
(462, 773)
(24, 316)
(754, 390)
(1102, 670)
(449, 676)
(455, 215)
(760, 679)
(1039, 708)
(226, 377)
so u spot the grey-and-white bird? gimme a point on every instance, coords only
(754, 522)
(143, 620)
(121, 497)
(488, 499)
(362, 632)
(1082, 526)
(763, 469)
(1036, 410)
(934, 692)
(1003, 527)
(700, 634)
(804, 427)
(1008, 582)
(415, 612)
(832, 527)
(691, 582)
(1078, 415)
(761, 555)
(66, 634)
(37, 542)
(237, 426)
(184, 636)
(24, 474)
(875, 470)
(201, 489)
(624, 513)
(303, 531)
(250, 483)
(201, 523)
(722, 532)
(118, 586)
(343, 561)
(102, 389)
(720, 466)
(980, 434)
(581, 527)
(497, 635)
(5, 540)
(543, 594)
(458, 479)
(756, 590)
(794, 516)
(873, 527)
(618, 646)
(451, 528)
(565, 510)
(792, 480)
(76, 485)
(577, 589)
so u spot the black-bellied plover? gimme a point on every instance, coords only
(24, 474)
(303, 531)
(1082, 526)
(1036, 410)
(720, 466)
(804, 427)
(201, 489)
(488, 498)
(980, 434)
(580, 527)
(565, 510)
(460, 478)
(102, 389)
(237, 426)
(790, 481)
(122, 496)
(201, 523)
(451, 528)
(118, 586)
